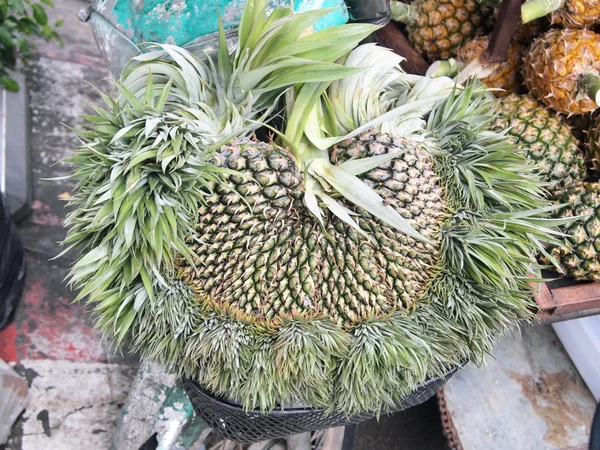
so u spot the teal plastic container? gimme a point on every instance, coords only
(120, 25)
(181, 21)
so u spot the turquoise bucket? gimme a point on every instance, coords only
(120, 25)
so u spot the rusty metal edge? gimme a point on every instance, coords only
(448, 429)
(568, 302)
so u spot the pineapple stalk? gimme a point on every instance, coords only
(589, 84)
(447, 68)
(401, 12)
(534, 9)
(504, 30)
(391, 37)
(497, 50)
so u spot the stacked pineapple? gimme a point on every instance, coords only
(548, 89)
(562, 69)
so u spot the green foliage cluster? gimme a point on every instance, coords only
(21, 21)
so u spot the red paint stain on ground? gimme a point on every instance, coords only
(53, 328)
(8, 348)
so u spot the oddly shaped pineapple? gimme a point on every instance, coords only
(579, 256)
(437, 28)
(506, 76)
(555, 65)
(543, 137)
(389, 242)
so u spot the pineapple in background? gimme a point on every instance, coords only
(437, 28)
(562, 69)
(506, 76)
(578, 14)
(568, 13)
(544, 138)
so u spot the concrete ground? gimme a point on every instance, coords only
(529, 397)
(78, 383)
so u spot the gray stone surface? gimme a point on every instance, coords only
(59, 92)
(15, 172)
(529, 397)
(79, 45)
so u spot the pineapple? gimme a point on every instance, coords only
(578, 256)
(437, 28)
(568, 13)
(506, 75)
(291, 269)
(578, 14)
(384, 238)
(562, 69)
(543, 137)
(593, 144)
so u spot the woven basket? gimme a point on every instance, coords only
(233, 422)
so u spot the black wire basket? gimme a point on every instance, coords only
(232, 422)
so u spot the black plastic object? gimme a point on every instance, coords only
(369, 11)
(595, 435)
(12, 265)
(233, 422)
(350, 437)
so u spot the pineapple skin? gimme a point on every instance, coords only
(554, 63)
(543, 137)
(507, 75)
(578, 14)
(579, 256)
(442, 26)
(261, 254)
(593, 144)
